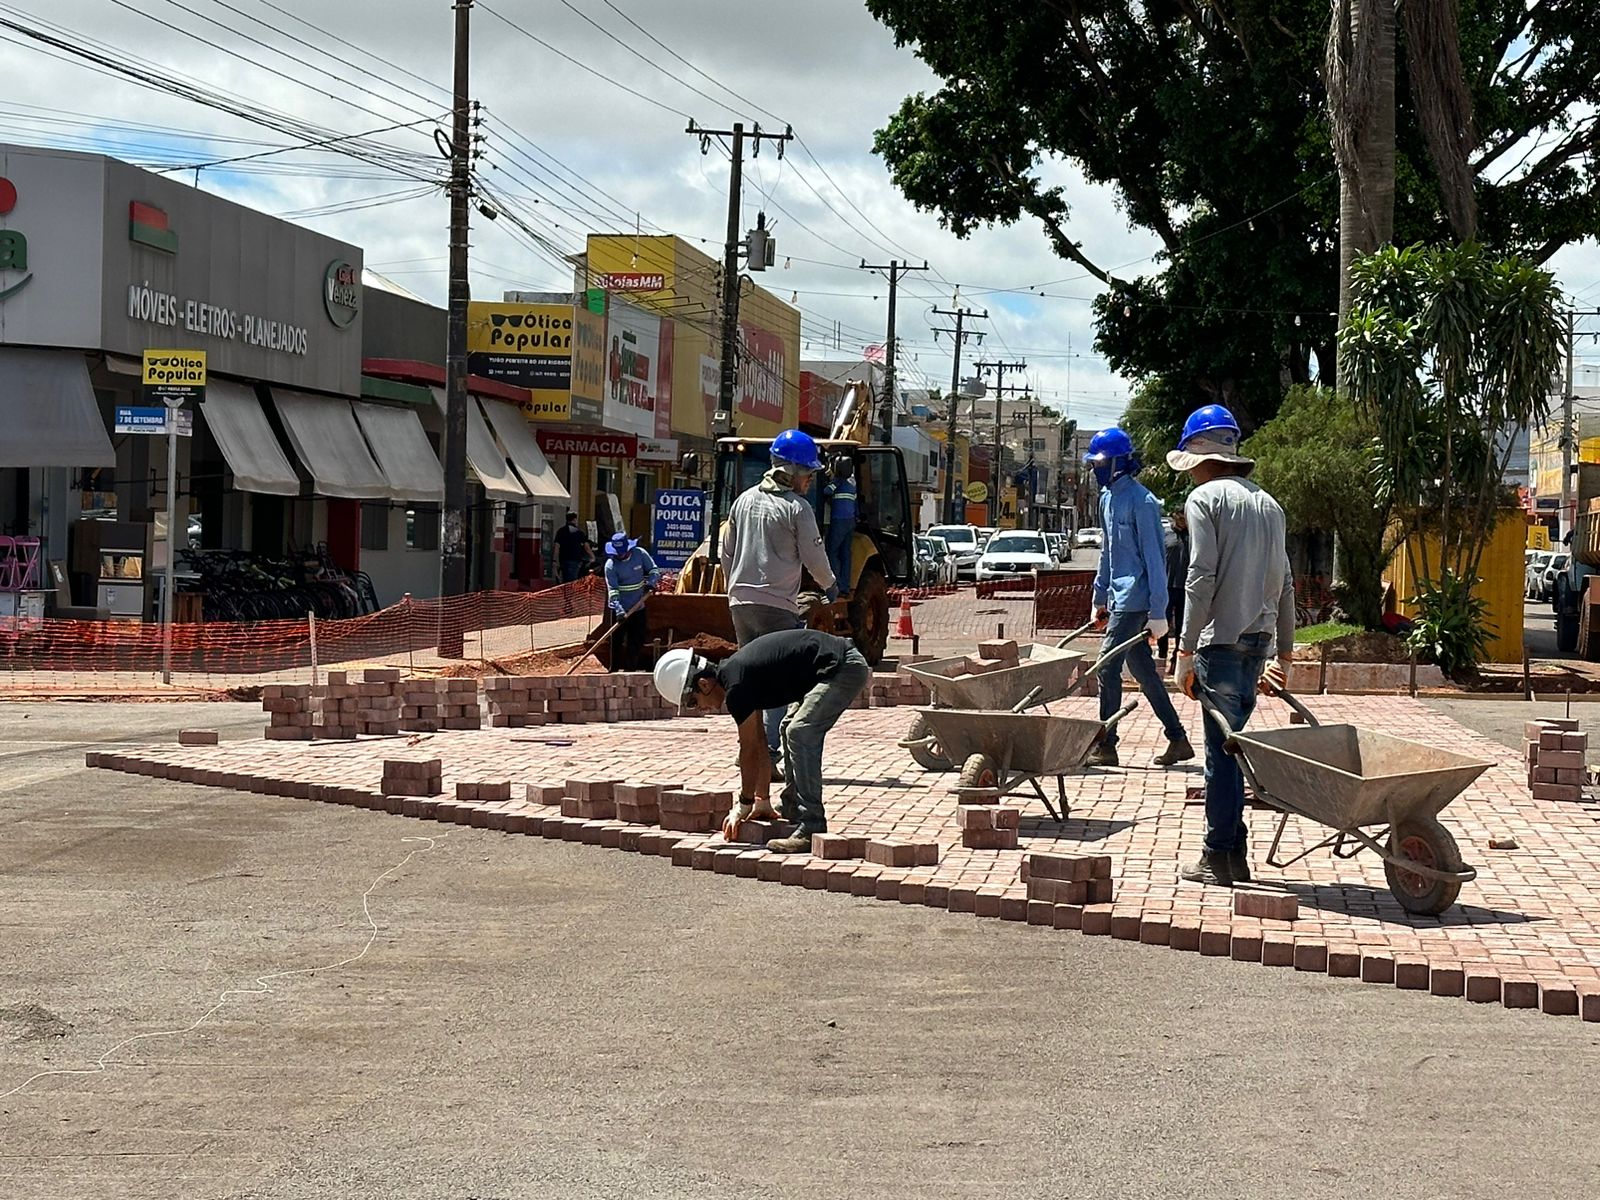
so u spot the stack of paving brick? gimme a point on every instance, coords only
(632, 696)
(460, 707)
(988, 826)
(1068, 878)
(1556, 752)
(516, 701)
(590, 800)
(577, 699)
(497, 792)
(638, 803)
(290, 711)
(380, 701)
(685, 811)
(413, 776)
(889, 691)
(337, 703)
(420, 704)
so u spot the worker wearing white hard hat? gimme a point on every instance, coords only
(814, 676)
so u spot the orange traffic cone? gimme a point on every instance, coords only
(903, 627)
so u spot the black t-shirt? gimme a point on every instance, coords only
(570, 541)
(778, 669)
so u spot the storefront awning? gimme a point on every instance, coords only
(325, 435)
(499, 481)
(232, 412)
(523, 450)
(403, 452)
(49, 413)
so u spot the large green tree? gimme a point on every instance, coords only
(1209, 122)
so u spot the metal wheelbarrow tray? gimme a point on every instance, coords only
(1353, 780)
(1006, 751)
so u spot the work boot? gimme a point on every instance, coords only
(1178, 750)
(1104, 756)
(1239, 865)
(1211, 868)
(798, 842)
(777, 771)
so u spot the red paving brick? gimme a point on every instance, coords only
(1526, 932)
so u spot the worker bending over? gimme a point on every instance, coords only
(815, 673)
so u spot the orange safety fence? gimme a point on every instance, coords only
(436, 636)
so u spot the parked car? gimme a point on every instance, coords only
(1547, 582)
(935, 564)
(1089, 535)
(1060, 548)
(1014, 552)
(1533, 573)
(964, 547)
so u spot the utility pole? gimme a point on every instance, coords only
(1569, 516)
(722, 422)
(997, 471)
(896, 269)
(453, 542)
(960, 334)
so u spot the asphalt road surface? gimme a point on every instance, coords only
(539, 1019)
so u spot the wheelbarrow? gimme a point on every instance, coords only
(1367, 787)
(1049, 672)
(1008, 751)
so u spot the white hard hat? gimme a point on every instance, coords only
(674, 672)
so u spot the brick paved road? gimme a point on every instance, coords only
(1525, 933)
(544, 1019)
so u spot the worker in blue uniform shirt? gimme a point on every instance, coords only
(1130, 592)
(630, 575)
(841, 495)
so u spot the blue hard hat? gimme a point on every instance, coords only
(619, 544)
(1212, 421)
(1108, 444)
(792, 446)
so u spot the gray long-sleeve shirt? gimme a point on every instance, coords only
(1239, 576)
(772, 534)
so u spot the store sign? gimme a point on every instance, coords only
(710, 385)
(174, 377)
(13, 246)
(150, 226)
(633, 365)
(153, 420)
(632, 281)
(658, 450)
(588, 445)
(157, 307)
(341, 293)
(587, 395)
(761, 373)
(680, 525)
(977, 493)
(528, 346)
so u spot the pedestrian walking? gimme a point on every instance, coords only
(573, 549)
(772, 538)
(1131, 583)
(1238, 622)
(815, 673)
(1177, 573)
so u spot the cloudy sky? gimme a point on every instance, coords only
(586, 132)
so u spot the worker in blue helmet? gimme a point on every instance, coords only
(1130, 586)
(631, 574)
(1238, 619)
(771, 540)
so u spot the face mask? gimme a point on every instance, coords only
(1103, 472)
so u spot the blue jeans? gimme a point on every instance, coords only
(1230, 674)
(804, 729)
(751, 621)
(840, 533)
(1121, 627)
(571, 569)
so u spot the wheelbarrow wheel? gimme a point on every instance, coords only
(1423, 840)
(930, 757)
(979, 771)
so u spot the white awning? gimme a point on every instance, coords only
(48, 412)
(522, 448)
(402, 450)
(325, 435)
(499, 481)
(232, 412)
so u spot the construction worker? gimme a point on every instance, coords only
(817, 673)
(1238, 612)
(841, 496)
(1130, 583)
(771, 536)
(630, 575)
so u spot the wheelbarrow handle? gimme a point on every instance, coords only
(1077, 633)
(1027, 701)
(1288, 698)
(1111, 722)
(1091, 671)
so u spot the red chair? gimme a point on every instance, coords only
(25, 564)
(10, 573)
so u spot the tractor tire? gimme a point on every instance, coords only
(929, 758)
(1423, 840)
(869, 614)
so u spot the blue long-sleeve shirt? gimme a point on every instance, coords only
(1133, 558)
(628, 578)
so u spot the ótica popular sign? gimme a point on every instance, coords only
(174, 377)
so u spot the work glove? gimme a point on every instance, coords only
(734, 821)
(1158, 628)
(1276, 675)
(616, 607)
(1185, 673)
(1101, 616)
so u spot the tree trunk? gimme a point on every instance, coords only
(1361, 106)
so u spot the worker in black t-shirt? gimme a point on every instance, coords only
(815, 676)
(573, 549)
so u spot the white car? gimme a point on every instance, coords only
(1089, 535)
(1014, 552)
(964, 547)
